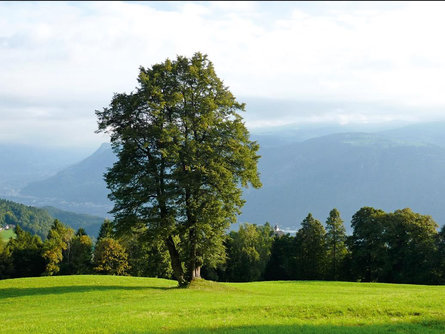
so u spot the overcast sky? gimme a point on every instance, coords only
(353, 62)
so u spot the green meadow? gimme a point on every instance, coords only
(111, 304)
(6, 234)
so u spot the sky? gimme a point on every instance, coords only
(292, 62)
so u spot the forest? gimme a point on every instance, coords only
(398, 247)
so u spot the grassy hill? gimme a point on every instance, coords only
(6, 234)
(109, 304)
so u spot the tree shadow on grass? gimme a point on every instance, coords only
(420, 327)
(58, 290)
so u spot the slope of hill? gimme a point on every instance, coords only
(38, 220)
(112, 304)
(90, 223)
(34, 220)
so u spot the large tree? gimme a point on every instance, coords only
(183, 156)
(367, 244)
(411, 239)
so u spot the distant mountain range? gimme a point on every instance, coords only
(347, 171)
(389, 169)
(21, 164)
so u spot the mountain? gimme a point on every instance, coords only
(79, 188)
(346, 171)
(342, 170)
(90, 223)
(427, 133)
(39, 220)
(22, 164)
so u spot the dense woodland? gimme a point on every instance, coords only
(38, 220)
(398, 247)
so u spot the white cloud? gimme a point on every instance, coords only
(65, 60)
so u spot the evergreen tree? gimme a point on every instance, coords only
(183, 153)
(81, 231)
(310, 249)
(281, 265)
(335, 244)
(106, 230)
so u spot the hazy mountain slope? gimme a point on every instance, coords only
(21, 164)
(346, 171)
(80, 183)
(429, 133)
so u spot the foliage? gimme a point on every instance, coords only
(57, 244)
(248, 252)
(78, 260)
(106, 230)
(22, 256)
(146, 257)
(112, 304)
(367, 244)
(282, 263)
(110, 257)
(335, 245)
(440, 259)
(183, 153)
(410, 239)
(310, 249)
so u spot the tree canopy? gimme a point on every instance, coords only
(183, 155)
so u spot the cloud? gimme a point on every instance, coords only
(62, 61)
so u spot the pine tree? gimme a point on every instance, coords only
(106, 230)
(310, 249)
(335, 244)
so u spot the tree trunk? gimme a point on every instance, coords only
(196, 273)
(176, 262)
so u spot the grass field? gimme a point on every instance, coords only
(109, 304)
(6, 234)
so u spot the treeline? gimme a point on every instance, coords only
(398, 247)
(64, 252)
